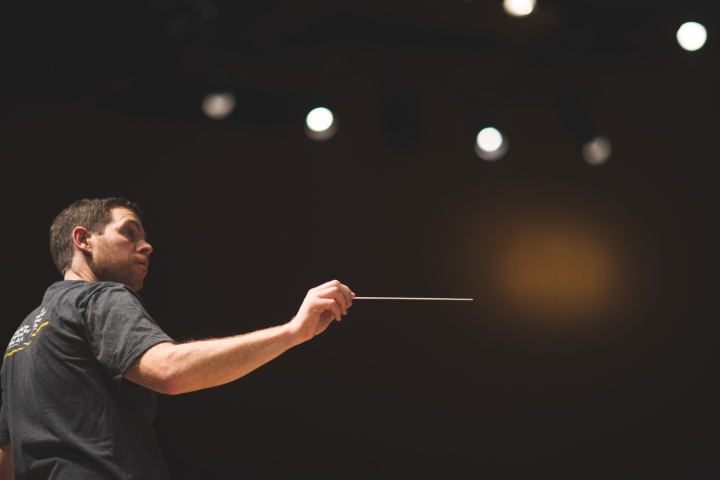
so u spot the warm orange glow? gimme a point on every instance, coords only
(556, 269)
(548, 267)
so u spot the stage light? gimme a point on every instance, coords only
(218, 105)
(319, 119)
(597, 151)
(691, 36)
(320, 124)
(490, 144)
(519, 8)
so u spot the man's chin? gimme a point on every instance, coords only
(130, 280)
(134, 284)
(137, 286)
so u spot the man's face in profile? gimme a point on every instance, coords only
(122, 253)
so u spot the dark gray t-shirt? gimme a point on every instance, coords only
(66, 408)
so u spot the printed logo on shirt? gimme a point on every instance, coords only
(18, 339)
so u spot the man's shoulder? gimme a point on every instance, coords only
(64, 303)
(79, 293)
(82, 288)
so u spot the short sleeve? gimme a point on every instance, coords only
(4, 428)
(119, 329)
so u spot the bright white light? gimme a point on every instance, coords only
(489, 139)
(218, 105)
(691, 36)
(320, 124)
(519, 8)
(490, 144)
(597, 151)
(319, 119)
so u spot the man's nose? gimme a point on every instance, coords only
(145, 248)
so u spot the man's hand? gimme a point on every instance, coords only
(322, 305)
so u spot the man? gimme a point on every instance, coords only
(80, 374)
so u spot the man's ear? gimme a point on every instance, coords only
(81, 239)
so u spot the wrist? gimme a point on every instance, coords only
(293, 333)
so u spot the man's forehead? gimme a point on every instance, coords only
(122, 214)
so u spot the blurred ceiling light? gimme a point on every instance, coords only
(519, 8)
(490, 144)
(691, 36)
(218, 105)
(597, 151)
(319, 119)
(320, 124)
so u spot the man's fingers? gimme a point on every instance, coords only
(344, 296)
(324, 286)
(331, 305)
(341, 300)
(333, 296)
(348, 294)
(336, 293)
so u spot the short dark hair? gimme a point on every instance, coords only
(94, 214)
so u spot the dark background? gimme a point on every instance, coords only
(588, 350)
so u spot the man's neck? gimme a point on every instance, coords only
(80, 272)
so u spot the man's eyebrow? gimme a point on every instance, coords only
(137, 225)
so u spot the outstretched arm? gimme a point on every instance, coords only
(6, 465)
(173, 369)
